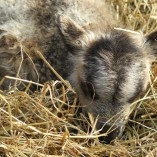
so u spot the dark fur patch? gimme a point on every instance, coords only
(101, 44)
(119, 44)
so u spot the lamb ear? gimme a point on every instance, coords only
(152, 40)
(73, 34)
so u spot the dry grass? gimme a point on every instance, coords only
(45, 123)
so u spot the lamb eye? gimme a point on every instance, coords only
(88, 90)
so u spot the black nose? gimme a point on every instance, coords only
(113, 132)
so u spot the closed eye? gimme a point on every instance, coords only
(88, 90)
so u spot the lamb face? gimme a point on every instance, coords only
(111, 71)
(114, 73)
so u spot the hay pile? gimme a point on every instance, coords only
(45, 123)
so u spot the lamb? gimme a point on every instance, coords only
(108, 67)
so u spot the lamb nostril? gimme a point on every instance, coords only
(113, 133)
(110, 137)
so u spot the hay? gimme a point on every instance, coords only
(45, 123)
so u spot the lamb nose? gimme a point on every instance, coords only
(113, 132)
